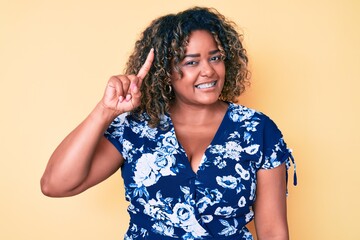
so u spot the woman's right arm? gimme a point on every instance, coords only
(85, 157)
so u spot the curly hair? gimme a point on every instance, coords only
(168, 36)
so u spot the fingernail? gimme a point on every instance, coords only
(121, 99)
(128, 97)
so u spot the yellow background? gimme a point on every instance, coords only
(56, 57)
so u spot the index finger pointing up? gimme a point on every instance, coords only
(147, 65)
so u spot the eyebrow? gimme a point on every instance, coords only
(198, 55)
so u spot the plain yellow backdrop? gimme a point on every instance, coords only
(56, 57)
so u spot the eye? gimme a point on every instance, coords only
(215, 58)
(190, 63)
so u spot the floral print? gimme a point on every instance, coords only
(168, 200)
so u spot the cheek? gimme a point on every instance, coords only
(221, 70)
(175, 75)
(187, 75)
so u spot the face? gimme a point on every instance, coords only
(203, 71)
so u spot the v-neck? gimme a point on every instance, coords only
(203, 158)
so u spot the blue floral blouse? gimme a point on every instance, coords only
(168, 200)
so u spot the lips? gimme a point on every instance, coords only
(205, 85)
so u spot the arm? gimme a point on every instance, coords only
(85, 157)
(270, 204)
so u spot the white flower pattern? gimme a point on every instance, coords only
(167, 199)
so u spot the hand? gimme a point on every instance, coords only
(122, 93)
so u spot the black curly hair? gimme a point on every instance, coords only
(169, 35)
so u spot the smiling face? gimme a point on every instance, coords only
(203, 71)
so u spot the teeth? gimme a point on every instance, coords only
(206, 85)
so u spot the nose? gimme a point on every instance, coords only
(207, 70)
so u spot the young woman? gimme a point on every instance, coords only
(195, 164)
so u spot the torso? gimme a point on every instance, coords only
(196, 138)
(168, 199)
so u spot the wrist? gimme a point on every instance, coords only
(104, 115)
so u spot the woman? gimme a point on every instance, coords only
(195, 164)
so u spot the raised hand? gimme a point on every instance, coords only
(122, 93)
(85, 158)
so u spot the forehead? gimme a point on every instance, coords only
(201, 40)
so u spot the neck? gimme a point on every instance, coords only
(196, 114)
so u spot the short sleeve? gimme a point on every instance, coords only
(115, 132)
(275, 150)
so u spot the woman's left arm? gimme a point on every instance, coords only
(270, 204)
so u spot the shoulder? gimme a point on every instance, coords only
(252, 120)
(241, 113)
(121, 119)
(128, 119)
(143, 119)
(129, 123)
